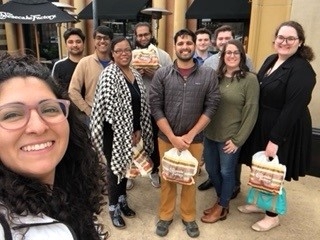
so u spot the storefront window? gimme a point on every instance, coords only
(126, 27)
(49, 42)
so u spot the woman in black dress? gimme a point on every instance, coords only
(284, 124)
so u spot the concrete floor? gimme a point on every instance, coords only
(301, 222)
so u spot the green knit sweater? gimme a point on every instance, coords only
(237, 112)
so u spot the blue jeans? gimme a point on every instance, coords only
(221, 169)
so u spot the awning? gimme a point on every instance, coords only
(114, 9)
(33, 12)
(219, 9)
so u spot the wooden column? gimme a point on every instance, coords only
(266, 15)
(170, 29)
(10, 32)
(191, 23)
(85, 25)
(162, 23)
(12, 36)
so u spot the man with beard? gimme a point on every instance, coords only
(63, 69)
(183, 99)
(144, 40)
(85, 76)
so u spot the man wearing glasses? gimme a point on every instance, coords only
(145, 40)
(85, 77)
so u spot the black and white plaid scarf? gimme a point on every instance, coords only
(112, 103)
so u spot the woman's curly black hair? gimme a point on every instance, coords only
(77, 196)
(243, 68)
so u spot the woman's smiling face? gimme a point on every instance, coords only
(232, 57)
(35, 149)
(287, 42)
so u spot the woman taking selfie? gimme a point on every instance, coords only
(46, 159)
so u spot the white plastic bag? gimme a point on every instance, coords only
(267, 175)
(179, 167)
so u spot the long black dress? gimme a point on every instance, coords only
(284, 117)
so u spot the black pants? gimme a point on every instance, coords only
(155, 156)
(271, 214)
(115, 190)
(238, 175)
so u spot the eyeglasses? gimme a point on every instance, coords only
(121, 51)
(235, 53)
(14, 116)
(143, 35)
(100, 38)
(289, 40)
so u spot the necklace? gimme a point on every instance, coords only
(135, 89)
(126, 76)
(228, 84)
(131, 81)
(270, 70)
(274, 67)
(227, 81)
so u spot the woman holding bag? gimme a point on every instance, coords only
(120, 118)
(284, 124)
(230, 126)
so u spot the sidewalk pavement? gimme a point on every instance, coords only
(301, 222)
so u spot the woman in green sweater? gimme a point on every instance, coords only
(230, 126)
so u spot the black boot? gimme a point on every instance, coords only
(128, 212)
(205, 185)
(235, 193)
(116, 219)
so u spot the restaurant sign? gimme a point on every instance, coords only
(33, 18)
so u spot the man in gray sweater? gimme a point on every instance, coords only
(183, 99)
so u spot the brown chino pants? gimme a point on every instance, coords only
(169, 189)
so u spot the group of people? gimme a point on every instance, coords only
(75, 138)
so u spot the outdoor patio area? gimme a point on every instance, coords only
(301, 222)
